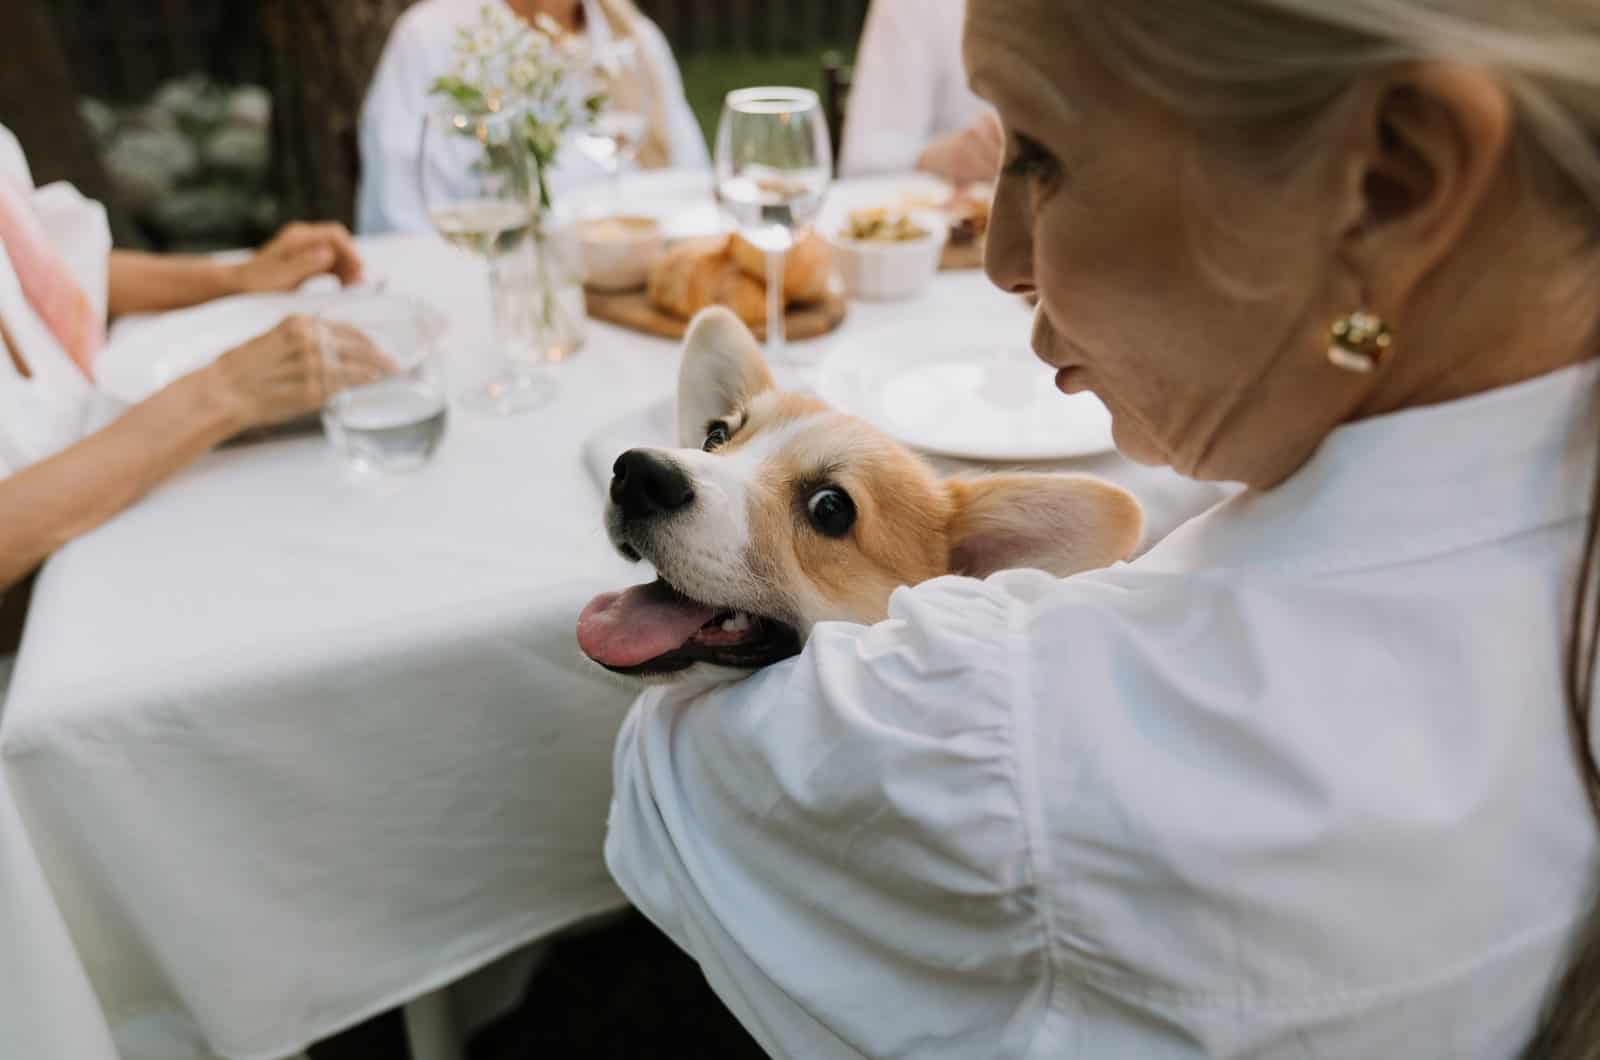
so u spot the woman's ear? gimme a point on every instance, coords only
(1428, 144)
(722, 370)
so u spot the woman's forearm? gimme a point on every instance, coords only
(48, 504)
(149, 283)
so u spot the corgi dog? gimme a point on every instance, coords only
(778, 513)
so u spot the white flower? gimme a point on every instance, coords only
(483, 41)
(548, 26)
(523, 73)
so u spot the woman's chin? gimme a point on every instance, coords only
(1134, 445)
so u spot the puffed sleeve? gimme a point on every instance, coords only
(839, 840)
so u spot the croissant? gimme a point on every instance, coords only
(805, 267)
(700, 273)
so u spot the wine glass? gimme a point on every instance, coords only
(477, 178)
(613, 137)
(773, 165)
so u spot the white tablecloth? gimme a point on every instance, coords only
(289, 751)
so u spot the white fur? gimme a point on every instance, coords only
(704, 550)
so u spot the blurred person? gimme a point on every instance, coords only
(71, 457)
(909, 105)
(420, 49)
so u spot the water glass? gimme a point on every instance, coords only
(774, 163)
(396, 423)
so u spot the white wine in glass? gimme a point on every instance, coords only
(774, 163)
(485, 227)
(478, 184)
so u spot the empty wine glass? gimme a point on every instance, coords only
(613, 137)
(477, 177)
(773, 164)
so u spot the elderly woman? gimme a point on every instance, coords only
(70, 458)
(1313, 776)
(419, 50)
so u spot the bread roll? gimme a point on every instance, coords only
(700, 273)
(805, 267)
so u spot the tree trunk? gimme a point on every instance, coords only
(322, 54)
(39, 103)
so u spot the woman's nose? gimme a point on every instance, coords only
(1008, 250)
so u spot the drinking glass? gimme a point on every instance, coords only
(612, 139)
(396, 423)
(773, 166)
(477, 177)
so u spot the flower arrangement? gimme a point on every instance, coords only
(504, 64)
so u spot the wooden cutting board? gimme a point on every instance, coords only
(633, 309)
(962, 256)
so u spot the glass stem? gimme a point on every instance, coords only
(775, 338)
(498, 328)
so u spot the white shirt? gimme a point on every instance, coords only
(908, 88)
(1296, 783)
(420, 49)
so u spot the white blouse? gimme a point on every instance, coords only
(908, 88)
(1295, 783)
(418, 51)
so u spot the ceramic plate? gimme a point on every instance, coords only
(963, 395)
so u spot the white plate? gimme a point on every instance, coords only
(964, 394)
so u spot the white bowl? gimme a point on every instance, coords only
(881, 271)
(618, 251)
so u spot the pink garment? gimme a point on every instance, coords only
(47, 282)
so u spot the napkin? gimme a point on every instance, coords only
(654, 426)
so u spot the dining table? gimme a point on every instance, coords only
(286, 747)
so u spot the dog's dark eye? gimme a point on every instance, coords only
(832, 511)
(716, 435)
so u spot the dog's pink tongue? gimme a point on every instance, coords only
(631, 628)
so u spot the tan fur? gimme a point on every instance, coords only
(899, 536)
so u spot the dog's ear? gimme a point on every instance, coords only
(1057, 523)
(721, 371)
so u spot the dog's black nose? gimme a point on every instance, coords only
(644, 484)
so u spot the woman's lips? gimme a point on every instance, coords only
(1072, 380)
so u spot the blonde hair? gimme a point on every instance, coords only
(1275, 66)
(648, 89)
(1261, 75)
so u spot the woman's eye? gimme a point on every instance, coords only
(1029, 160)
(831, 511)
(716, 435)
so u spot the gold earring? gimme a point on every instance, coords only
(1359, 342)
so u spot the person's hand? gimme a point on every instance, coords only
(969, 155)
(285, 373)
(297, 253)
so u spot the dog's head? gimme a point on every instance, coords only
(779, 513)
